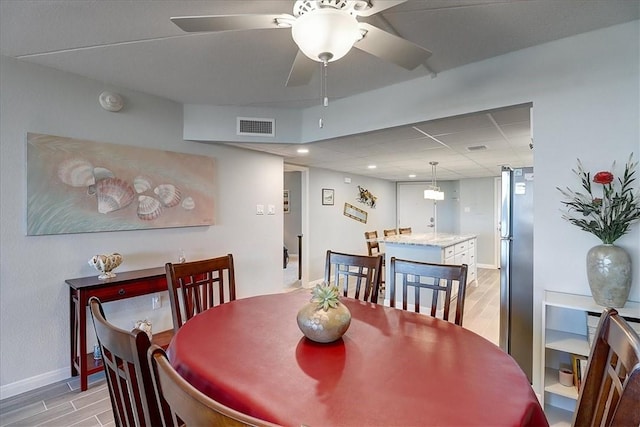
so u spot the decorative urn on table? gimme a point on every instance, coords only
(105, 264)
(324, 319)
(607, 217)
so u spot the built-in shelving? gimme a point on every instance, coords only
(565, 333)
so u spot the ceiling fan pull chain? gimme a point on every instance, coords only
(324, 77)
(323, 84)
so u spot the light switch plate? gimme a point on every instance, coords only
(271, 209)
(259, 209)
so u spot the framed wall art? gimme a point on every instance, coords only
(355, 213)
(327, 196)
(81, 186)
(286, 201)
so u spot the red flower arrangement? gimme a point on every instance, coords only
(607, 217)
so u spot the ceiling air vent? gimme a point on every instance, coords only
(248, 126)
(477, 148)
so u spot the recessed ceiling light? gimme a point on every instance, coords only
(413, 175)
(371, 167)
(303, 150)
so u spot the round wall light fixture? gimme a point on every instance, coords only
(111, 101)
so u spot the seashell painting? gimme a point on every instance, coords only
(168, 194)
(149, 208)
(99, 174)
(82, 186)
(76, 172)
(113, 194)
(141, 184)
(188, 203)
(102, 173)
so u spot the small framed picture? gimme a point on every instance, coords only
(355, 213)
(327, 196)
(286, 201)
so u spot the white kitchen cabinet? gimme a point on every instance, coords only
(462, 253)
(565, 332)
(427, 247)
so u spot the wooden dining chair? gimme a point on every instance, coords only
(124, 357)
(373, 247)
(183, 405)
(198, 285)
(610, 393)
(389, 232)
(405, 230)
(439, 278)
(362, 271)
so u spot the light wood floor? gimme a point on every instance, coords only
(61, 404)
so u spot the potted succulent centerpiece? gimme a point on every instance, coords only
(607, 214)
(324, 319)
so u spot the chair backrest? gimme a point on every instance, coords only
(346, 269)
(405, 230)
(373, 247)
(610, 393)
(124, 356)
(390, 232)
(183, 404)
(198, 285)
(439, 278)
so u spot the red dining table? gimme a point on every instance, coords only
(391, 368)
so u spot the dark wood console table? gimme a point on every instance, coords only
(125, 285)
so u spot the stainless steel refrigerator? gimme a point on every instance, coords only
(516, 266)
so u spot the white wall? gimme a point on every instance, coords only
(476, 195)
(34, 306)
(416, 212)
(477, 216)
(330, 229)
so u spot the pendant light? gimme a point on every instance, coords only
(433, 192)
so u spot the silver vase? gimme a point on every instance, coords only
(609, 275)
(323, 326)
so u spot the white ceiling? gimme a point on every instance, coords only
(133, 44)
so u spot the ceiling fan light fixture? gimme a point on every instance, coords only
(325, 34)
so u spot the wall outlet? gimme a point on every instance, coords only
(259, 209)
(156, 302)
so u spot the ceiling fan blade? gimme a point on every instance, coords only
(379, 6)
(391, 48)
(301, 70)
(192, 24)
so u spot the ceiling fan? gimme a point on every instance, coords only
(324, 30)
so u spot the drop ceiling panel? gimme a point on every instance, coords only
(461, 140)
(515, 131)
(512, 115)
(455, 124)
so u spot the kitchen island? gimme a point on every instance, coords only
(438, 248)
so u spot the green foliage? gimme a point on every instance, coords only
(325, 295)
(607, 217)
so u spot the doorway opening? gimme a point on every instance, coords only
(295, 227)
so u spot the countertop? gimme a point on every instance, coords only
(441, 240)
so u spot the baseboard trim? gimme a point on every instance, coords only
(28, 384)
(490, 266)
